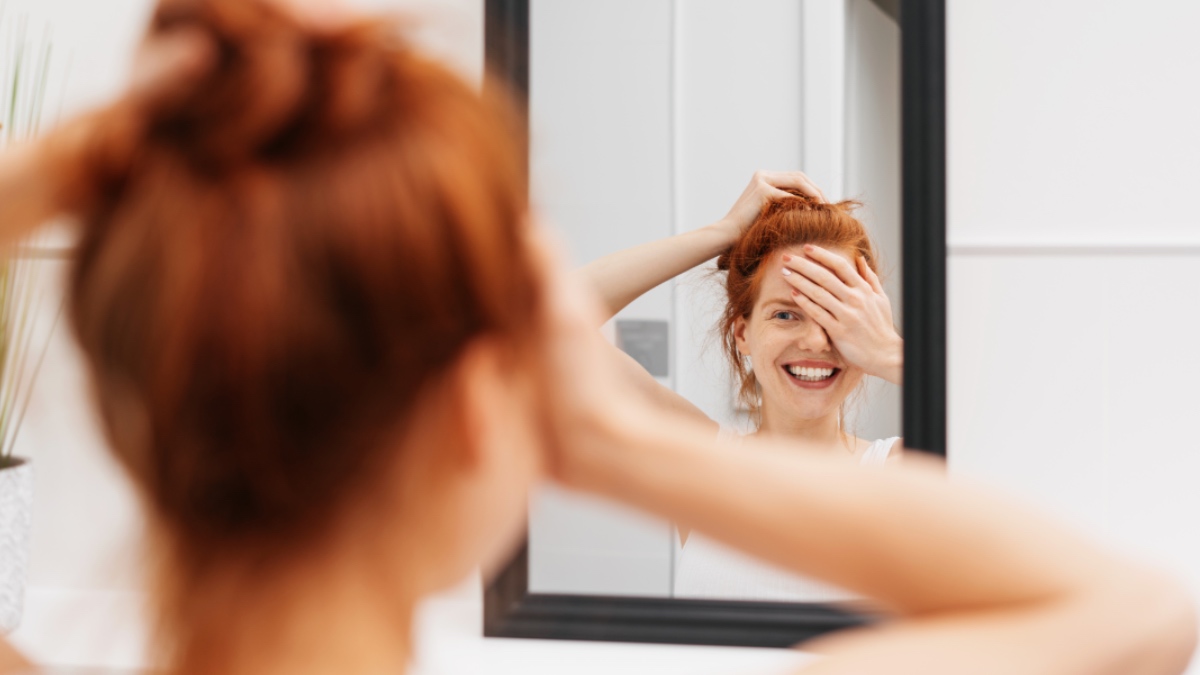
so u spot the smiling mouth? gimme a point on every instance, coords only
(811, 375)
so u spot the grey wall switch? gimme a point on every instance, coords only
(648, 342)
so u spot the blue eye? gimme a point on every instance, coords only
(784, 315)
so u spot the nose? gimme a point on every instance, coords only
(813, 338)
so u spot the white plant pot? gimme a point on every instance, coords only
(16, 518)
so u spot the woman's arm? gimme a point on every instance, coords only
(660, 397)
(622, 277)
(29, 193)
(11, 661)
(978, 584)
(40, 179)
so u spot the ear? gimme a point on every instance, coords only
(479, 392)
(739, 335)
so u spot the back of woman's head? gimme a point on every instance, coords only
(784, 223)
(276, 265)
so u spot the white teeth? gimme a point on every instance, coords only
(811, 374)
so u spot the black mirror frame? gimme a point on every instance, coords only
(511, 611)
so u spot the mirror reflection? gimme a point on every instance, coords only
(728, 176)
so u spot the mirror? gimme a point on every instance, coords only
(647, 119)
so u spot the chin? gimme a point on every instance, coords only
(810, 406)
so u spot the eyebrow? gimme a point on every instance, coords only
(779, 300)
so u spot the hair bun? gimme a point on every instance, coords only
(274, 79)
(256, 86)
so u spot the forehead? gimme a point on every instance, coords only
(773, 286)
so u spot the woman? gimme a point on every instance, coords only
(805, 319)
(805, 316)
(333, 356)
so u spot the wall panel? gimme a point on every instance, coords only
(1074, 258)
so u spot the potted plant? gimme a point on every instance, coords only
(24, 70)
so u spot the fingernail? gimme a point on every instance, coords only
(787, 272)
(809, 248)
(786, 257)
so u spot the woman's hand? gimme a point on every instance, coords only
(319, 15)
(764, 186)
(848, 301)
(171, 61)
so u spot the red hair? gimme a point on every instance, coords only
(274, 268)
(784, 223)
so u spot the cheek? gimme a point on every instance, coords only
(763, 339)
(852, 378)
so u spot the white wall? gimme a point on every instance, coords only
(741, 95)
(1074, 152)
(600, 102)
(872, 176)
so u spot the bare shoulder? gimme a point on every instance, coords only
(861, 445)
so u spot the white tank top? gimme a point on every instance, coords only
(707, 569)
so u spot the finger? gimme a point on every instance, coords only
(774, 193)
(817, 273)
(828, 322)
(797, 180)
(839, 265)
(869, 275)
(814, 292)
(319, 15)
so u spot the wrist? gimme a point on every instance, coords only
(647, 459)
(68, 156)
(892, 366)
(724, 233)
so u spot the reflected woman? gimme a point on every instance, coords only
(805, 319)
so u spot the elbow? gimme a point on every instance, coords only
(1181, 627)
(1165, 611)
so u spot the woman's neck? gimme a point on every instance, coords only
(348, 620)
(823, 434)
